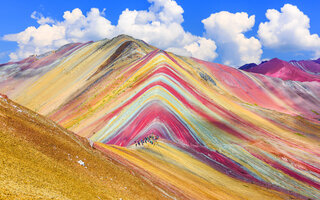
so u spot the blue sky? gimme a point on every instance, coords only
(15, 17)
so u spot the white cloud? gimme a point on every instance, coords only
(40, 18)
(203, 49)
(227, 29)
(160, 26)
(167, 10)
(50, 35)
(288, 30)
(80, 28)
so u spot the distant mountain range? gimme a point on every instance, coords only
(303, 70)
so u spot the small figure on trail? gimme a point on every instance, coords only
(152, 139)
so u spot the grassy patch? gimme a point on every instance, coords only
(299, 134)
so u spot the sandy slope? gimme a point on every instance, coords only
(39, 160)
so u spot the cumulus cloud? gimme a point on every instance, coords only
(160, 26)
(40, 18)
(204, 48)
(227, 30)
(51, 34)
(288, 30)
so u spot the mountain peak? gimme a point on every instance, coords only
(284, 70)
(125, 36)
(224, 122)
(276, 60)
(248, 66)
(270, 66)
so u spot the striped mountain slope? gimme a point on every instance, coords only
(42, 160)
(224, 133)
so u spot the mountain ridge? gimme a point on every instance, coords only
(304, 70)
(236, 125)
(40, 159)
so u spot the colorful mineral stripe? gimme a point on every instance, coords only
(228, 133)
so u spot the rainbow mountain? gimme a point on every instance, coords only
(224, 133)
(42, 160)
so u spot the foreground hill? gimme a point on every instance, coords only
(305, 71)
(41, 160)
(224, 133)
